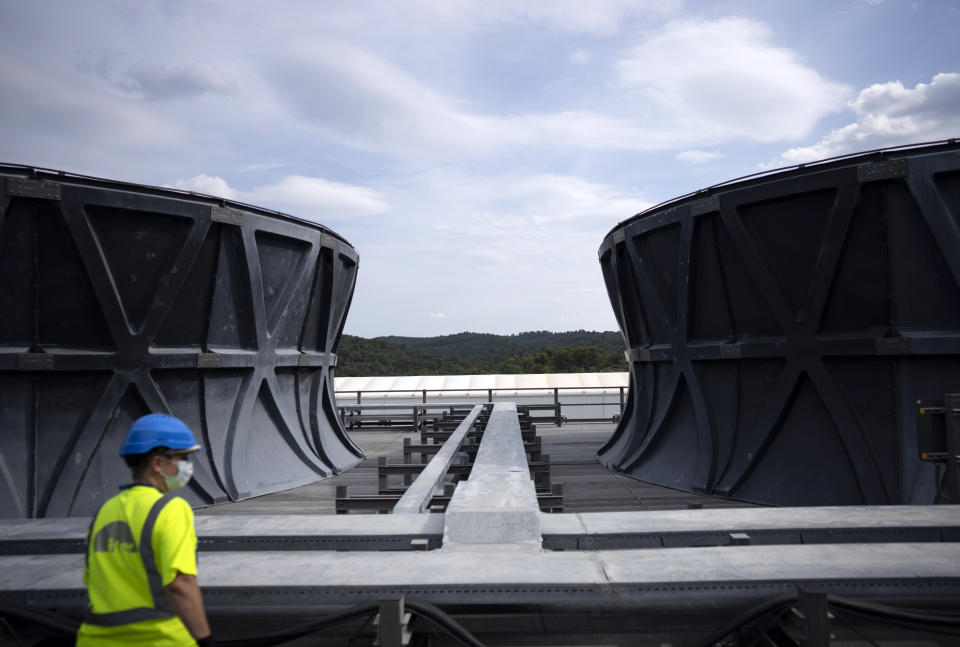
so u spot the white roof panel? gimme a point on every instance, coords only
(471, 385)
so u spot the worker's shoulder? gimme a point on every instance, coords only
(177, 507)
(133, 496)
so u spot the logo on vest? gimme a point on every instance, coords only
(113, 537)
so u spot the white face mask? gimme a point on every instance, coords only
(181, 478)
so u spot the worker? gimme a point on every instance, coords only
(141, 553)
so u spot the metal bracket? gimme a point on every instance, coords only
(731, 351)
(705, 205)
(333, 360)
(303, 360)
(951, 405)
(226, 216)
(739, 539)
(25, 188)
(34, 362)
(813, 606)
(392, 624)
(888, 170)
(208, 360)
(893, 346)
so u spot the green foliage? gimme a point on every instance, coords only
(467, 353)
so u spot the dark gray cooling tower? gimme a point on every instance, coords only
(118, 300)
(780, 330)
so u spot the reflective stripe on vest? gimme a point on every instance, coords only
(161, 605)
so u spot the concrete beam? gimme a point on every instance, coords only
(417, 497)
(497, 505)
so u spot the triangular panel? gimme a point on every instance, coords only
(271, 464)
(633, 307)
(709, 314)
(948, 185)
(718, 382)
(64, 402)
(222, 390)
(295, 396)
(70, 314)
(789, 235)
(345, 276)
(865, 383)
(105, 470)
(654, 395)
(281, 260)
(17, 455)
(338, 447)
(659, 252)
(859, 299)
(925, 294)
(139, 247)
(749, 311)
(318, 317)
(757, 382)
(17, 297)
(186, 322)
(231, 315)
(636, 414)
(806, 437)
(182, 391)
(671, 459)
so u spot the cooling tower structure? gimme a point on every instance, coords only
(781, 329)
(118, 300)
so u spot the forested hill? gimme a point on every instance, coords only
(467, 353)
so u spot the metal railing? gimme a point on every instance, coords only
(353, 400)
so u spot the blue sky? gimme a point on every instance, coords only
(475, 152)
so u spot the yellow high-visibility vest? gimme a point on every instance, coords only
(137, 543)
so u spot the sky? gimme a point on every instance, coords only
(474, 152)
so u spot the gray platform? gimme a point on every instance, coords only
(666, 574)
(588, 486)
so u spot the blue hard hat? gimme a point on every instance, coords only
(158, 430)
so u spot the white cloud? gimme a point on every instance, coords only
(580, 56)
(437, 315)
(159, 83)
(599, 17)
(369, 103)
(698, 157)
(727, 78)
(206, 184)
(309, 198)
(312, 198)
(596, 16)
(557, 198)
(508, 241)
(156, 81)
(596, 131)
(888, 114)
(263, 166)
(42, 104)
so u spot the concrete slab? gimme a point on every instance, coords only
(712, 575)
(745, 519)
(592, 531)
